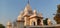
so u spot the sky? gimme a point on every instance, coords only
(10, 9)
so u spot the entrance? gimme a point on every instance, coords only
(38, 21)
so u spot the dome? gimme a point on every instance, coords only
(9, 23)
(21, 13)
(20, 16)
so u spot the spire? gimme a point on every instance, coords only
(28, 9)
(28, 1)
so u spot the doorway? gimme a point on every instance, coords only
(38, 21)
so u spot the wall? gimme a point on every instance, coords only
(45, 26)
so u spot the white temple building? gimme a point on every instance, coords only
(27, 17)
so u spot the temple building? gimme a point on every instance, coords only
(31, 17)
(28, 17)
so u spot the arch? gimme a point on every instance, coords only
(38, 21)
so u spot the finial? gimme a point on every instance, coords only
(35, 11)
(28, 1)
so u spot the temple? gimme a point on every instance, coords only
(28, 17)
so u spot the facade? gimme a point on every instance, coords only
(28, 17)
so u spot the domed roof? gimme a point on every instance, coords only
(20, 16)
(21, 13)
(9, 23)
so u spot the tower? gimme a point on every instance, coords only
(27, 13)
(9, 25)
(28, 9)
(20, 21)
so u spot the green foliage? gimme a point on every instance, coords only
(2, 26)
(45, 21)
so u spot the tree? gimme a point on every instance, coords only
(45, 21)
(2, 26)
(57, 16)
